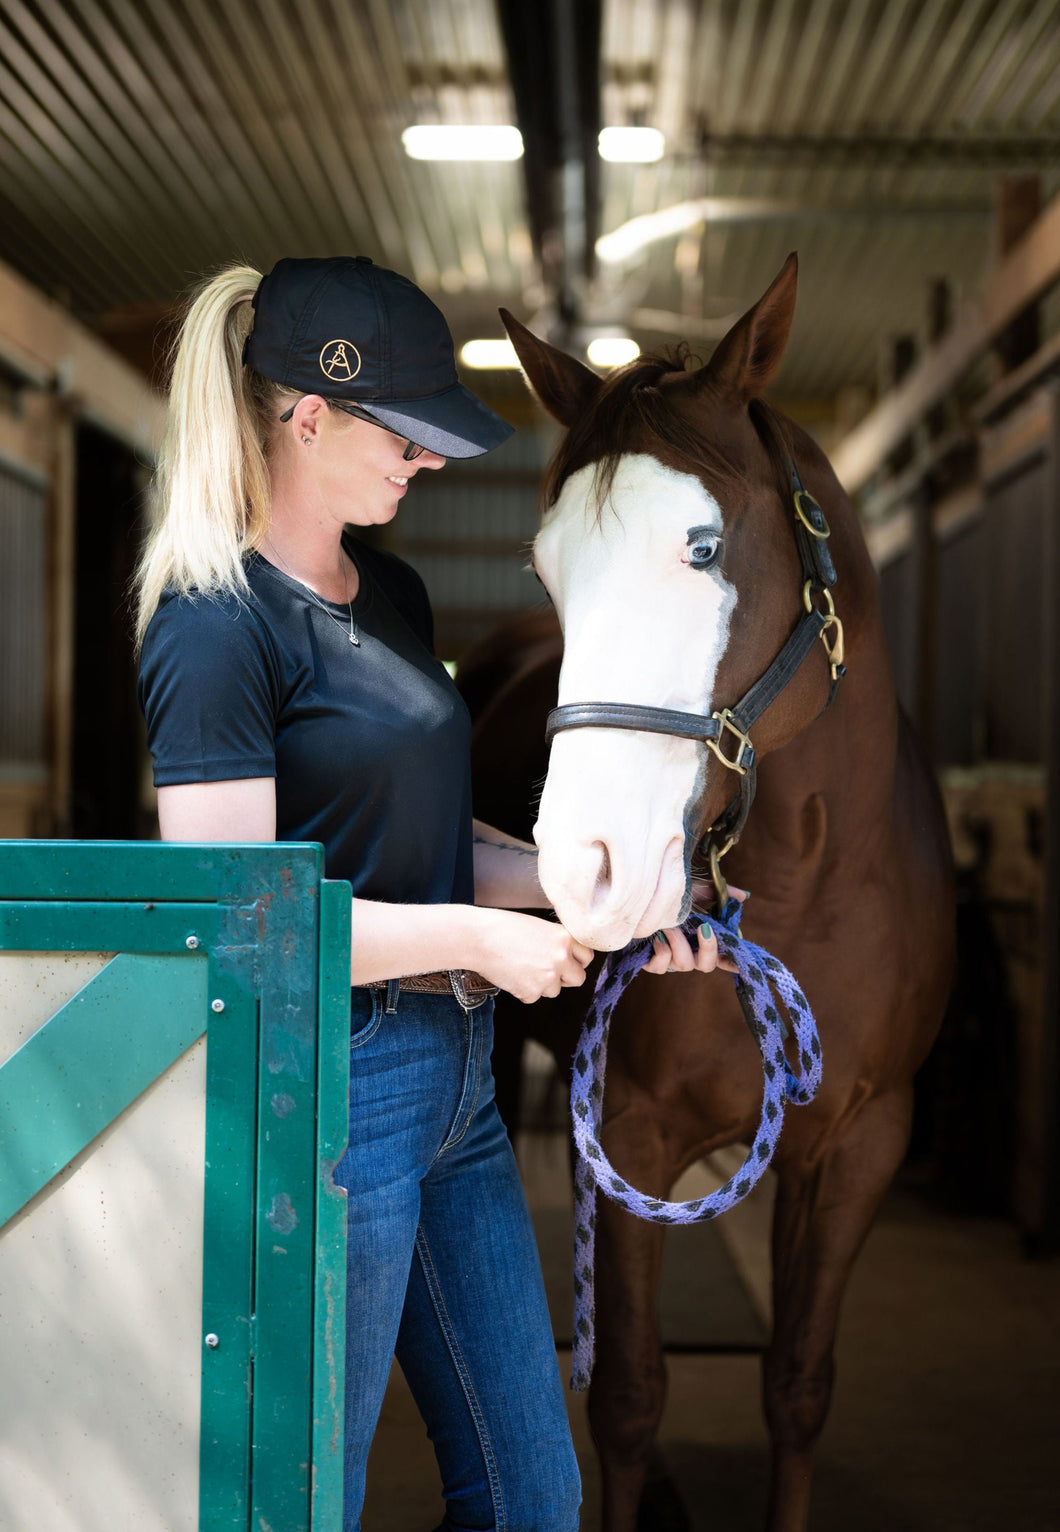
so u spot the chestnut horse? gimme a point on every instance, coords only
(668, 547)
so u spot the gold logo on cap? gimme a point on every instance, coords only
(340, 360)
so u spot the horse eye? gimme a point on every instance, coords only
(704, 549)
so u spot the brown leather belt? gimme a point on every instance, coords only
(466, 985)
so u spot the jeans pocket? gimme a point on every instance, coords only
(362, 1028)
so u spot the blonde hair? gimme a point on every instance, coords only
(212, 482)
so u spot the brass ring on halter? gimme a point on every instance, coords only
(807, 601)
(801, 495)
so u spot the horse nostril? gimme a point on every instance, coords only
(603, 872)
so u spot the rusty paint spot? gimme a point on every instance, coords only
(281, 1215)
(261, 913)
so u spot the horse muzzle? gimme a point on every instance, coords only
(611, 840)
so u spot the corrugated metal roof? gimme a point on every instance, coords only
(144, 141)
(890, 120)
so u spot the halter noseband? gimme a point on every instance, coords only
(726, 732)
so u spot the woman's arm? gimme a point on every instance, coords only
(209, 811)
(506, 871)
(523, 954)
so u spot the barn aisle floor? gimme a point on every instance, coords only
(946, 1413)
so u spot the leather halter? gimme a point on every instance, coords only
(726, 732)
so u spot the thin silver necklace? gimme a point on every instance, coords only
(352, 635)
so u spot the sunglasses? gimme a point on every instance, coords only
(411, 449)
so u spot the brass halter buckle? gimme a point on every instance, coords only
(802, 500)
(834, 647)
(744, 746)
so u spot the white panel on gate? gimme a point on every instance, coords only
(101, 1300)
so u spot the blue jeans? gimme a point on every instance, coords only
(443, 1269)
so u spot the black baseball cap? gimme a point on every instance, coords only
(350, 330)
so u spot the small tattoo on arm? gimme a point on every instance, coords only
(505, 845)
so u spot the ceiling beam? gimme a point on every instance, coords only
(553, 52)
(867, 149)
(1026, 273)
(42, 343)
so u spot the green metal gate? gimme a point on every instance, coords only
(174, 1025)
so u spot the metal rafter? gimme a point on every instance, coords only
(145, 141)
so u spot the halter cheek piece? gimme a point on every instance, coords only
(727, 731)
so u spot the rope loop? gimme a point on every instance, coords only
(766, 991)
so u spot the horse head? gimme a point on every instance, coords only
(667, 548)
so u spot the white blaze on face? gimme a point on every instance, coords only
(641, 625)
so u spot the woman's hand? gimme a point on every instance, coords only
(672, 952)
(527, 956)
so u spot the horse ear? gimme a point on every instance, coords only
(564, 386)
(749, 355)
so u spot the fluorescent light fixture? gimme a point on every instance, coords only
(475, 141)
(612, 350)
(634, 146)
(484, 354)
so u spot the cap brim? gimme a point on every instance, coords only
(454, 423)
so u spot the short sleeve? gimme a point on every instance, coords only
(208, 691)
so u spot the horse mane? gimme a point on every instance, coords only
(770, 428)
(631, 397)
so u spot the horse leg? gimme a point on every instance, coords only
(823, 1212)
(628, 1389)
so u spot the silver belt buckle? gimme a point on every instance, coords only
(458, 979)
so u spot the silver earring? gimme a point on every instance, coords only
(306, 440)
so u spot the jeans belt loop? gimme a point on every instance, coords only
(393, 990)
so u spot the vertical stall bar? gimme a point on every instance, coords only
(329, 1321)
(288, 957)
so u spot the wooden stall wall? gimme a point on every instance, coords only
(993, 594)
(79, 429)
(24, 737)
(966, 536)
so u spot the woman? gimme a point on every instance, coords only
(290, 692)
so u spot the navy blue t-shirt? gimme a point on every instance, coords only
(369, 744)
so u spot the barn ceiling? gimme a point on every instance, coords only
(145, 141)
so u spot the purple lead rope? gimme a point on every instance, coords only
(760, 981)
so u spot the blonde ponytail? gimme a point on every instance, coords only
(212, 480)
